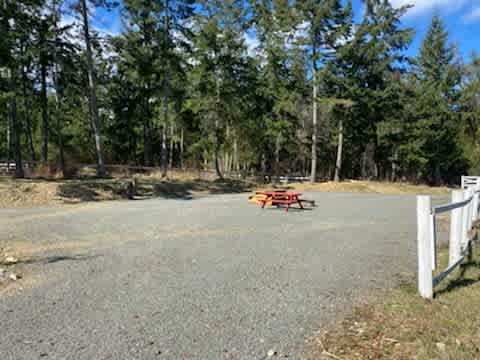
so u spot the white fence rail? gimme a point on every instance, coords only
(464, 213)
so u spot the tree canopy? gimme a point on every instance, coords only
(262, 87)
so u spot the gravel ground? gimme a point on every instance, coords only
(207, 278)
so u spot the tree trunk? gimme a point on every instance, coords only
(228, 158)
(236, 165)
(44, 104)
(58, 97)
(27, 125)
(338, 164)
(363, 165)
(172, 146)
(15, 128)
(217, 127)
(181, 148)
(165, 94)
(217, 151)
(437, 175)
(9, 138)
(133, 147)
(61, 157)
(369, 165)
(93, 94)
(147, 143)
(225, 161)
(394, 165)
(277, 157)
(313, 174)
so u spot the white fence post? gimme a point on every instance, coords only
(475, 204)
(470, 211)
(465, 220)
(433, 240)
(424, 243)
(455, 251)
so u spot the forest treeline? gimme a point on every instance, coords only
(251, 86)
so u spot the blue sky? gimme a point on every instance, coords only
(461, 18)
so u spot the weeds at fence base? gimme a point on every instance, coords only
(405, 326)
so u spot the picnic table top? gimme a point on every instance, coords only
(280, 193)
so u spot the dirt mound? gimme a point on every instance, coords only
(38, 192)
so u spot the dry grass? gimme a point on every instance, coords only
(27, 193)
(37, 192)
(178, 184)
(40, 192)
(356, 186)
(404, 326)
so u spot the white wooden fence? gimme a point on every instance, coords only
(465, 212)
(5, 166)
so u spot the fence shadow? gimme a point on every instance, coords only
(462, 280)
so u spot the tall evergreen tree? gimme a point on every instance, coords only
(220, 64)
(274, 21)
(439, 76)
(82, 8)
(176, 14)
(156, 34)
(327, 25)
(44, 60)
(375, 53)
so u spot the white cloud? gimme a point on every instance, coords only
(424, 6)
(473, 15)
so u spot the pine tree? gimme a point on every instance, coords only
(92, 81)
(44, 64)
(327, 24)
(56, 13)
(149, 52)
(140, 56)
(373, 55)
(274, 21)
(220, 64)
(439, 76)
(176, 14)
(14, 22)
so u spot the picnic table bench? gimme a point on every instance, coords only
(283, 198)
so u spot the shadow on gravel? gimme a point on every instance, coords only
(282, 208)
(144, 188)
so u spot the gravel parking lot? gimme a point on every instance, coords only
(206, 278)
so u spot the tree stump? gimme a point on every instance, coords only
(128, 189)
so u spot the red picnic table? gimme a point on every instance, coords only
(286, 198)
